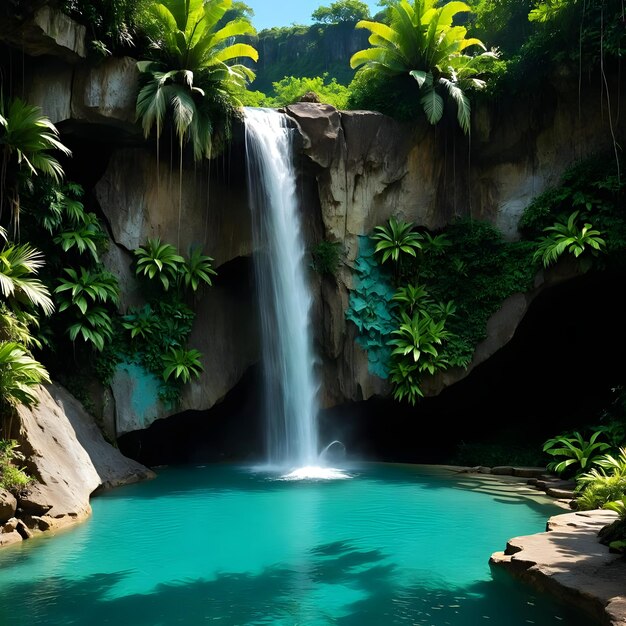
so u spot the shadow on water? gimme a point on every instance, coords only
(281, 595)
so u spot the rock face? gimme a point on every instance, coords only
(8, 506)
(69, 459)
(356, 168)
(46, 32)
(569, 562)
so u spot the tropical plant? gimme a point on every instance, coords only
(12, 478)
(182, 364)
(418, 337)
(568, 238)
(18, 288)
(396, 238)
(20, 373)
(94, 326)
(142, 322)
(435, 245)
(422, 42)
(160, 260)
(196, 270)
(412, 297)
(406, 380)
(618, 506)
(86, 236)
(290, 89)
(194, 51)
(56, 205)
(326, 257)
(573, 452)
(26, 140)
(614, 535)
(85, 288)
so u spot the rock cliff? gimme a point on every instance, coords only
(356, 169)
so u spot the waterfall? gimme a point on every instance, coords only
(284, 299)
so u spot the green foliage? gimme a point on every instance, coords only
(619, 507)
(593, 190)
(26, 139)
(182, 364)
(604, 483)
(86, 236)
(86, 287)
(422, 42)
(396, 239)
(19, 375)
(159, 260)
(158, 330)
(112, 23)
(539, 38)
(290, 89)
(503, 23)
(326, 257)
(196, 270)
(142, 322)
(573, 452)
(194, 72)
(17, 286)
(302, 51)
(82, 295)
(12, 478)
(162, 262)
(568, 238)
(341, 11)
(453, 283)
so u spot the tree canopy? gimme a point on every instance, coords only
(341, 11)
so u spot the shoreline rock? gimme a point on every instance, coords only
(568, 562)
(69, 460)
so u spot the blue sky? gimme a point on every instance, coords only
(268, 13)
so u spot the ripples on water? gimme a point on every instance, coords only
(226, 545)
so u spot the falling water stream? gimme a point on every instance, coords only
(284, 298)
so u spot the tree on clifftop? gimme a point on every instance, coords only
(422, 41)
(341, 11)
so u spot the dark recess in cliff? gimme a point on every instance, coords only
(555, 374)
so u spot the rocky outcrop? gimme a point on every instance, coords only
(368, 168)
(68, 459)
(46, 32)
(8, 506)
(569, 562)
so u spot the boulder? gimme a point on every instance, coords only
(8, 506)
(107, 93)
(569, 562)
(68, 458)
(48, 32)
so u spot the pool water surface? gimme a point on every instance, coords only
(234, 546)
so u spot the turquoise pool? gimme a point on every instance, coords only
(232, 546)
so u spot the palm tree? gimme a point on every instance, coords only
(17, 287)
(422, 42)
(195, 74)
(194, 52)
(26, 138)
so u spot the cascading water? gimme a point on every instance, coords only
(284, 299)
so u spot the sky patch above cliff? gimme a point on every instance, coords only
(268, 13)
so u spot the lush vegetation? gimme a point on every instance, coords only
(421, 42)
(13, 478)
(595, 458)
(422, 300)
